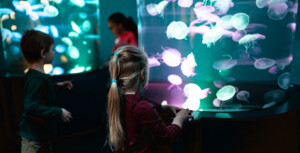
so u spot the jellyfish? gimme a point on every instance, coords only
(268, 105)
(200, 29)
(73, 52)
(204, 93)
(292, 26)
(6, 34)
(14, 50)
(225, 22)
(192, 90)
(261, 3)
(226, 92)
(153, 62)
(91, 36)
(284, 80)
(33, 15)
(83, 15)
(274, 69)
(75, 27)
(56, 1)
(18, 6)
(243, 95)
(238, 34)
(274, 96)
(42, 28)
(51, 11)
(202, 11)
(58, 71)
(277, 11)
(185, 3)
(188, 65)
(5, 11)
(171, 56)
(212, 35)
(77, 70)
(16, 36)
(249, 39)
(155, 9)
(79, 3)
(177, 30)
(86, 25)
(175, 80)
(92, 2)
(67, 41)
(294, 8)
(264, 63)
(54, 31)
(225, 64)
(219, 83)
(164, 103)
(37, 7)
(60, 48)
(240, 21)
(223, 5)
(191, 103)
(217, 102)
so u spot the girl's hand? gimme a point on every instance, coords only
(182, 116)
(67, 84)
(66, 115)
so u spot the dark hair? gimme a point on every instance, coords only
(33, 42)
(128, 23)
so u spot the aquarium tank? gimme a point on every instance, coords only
(218, 55)
(73, 24)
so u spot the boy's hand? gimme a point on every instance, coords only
(66, 115)
(67, 84)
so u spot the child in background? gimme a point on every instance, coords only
(38, 121)
(125, 30)
(133, 122)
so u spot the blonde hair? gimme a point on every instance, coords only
(126, 66)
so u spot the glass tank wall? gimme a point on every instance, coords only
(218, 55)
(74, 25)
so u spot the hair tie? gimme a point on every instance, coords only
(114, 81)
(116, 53)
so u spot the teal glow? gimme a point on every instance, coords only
(75, 27)
(89, 51)
(67, 41)
(226, 93)
(73, 52)
(240, 21)
(223, 115)
(77, 70)
(79, 3)
(86, 25)
(88, 68)
(73, 34)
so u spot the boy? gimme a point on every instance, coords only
(38, 123)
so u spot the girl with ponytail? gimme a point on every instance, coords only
(125, 30)
(133, 122)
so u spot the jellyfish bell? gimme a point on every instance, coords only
(219, 83)
(192, 90)
(249, 39)
(185, 3)
(187, 69)
(238, 34)
(51, 11)
(243, 95)
(212, 35)
(268, 105)
(217, 102)
(153, 62)
(274, 69)
(277, 11)
(261, 3)
(225, 22)
(175, 79)
(274, 96)
(226, 93)
(191, 104)
(284, 80)
(292, 26)
(225, 64)
(155, 9)
(177, 30)
(171, 56)
(240, 21)
(223, 5)
(264, 63)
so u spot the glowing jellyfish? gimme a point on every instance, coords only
(92, 36)
(153, 62)
(79, 3)
(171, 56)
(48, 68)
(56, 1)
(73, 52)
(18, 6)
(5, 11)
(188, 65)
(185, 3)
(14, 49)
(58, 71)
(42, 28)
(264, 63)
(212, 35)
(60, 48)
(86, 25)
(238, 34)
(54, 31)
(37, 7)
(177, 30)
(217, 102)
(223, 5)
(88, 68)
(249, 40)
(225, 64)
(261, 3)
(6, 33)
(192, 90)
(268, 105)
(175, 79)
(274, 69)
(284, 80)
(51, 11)
(67, 41)
(155, 9)
(277, 11)
(204, 93)
(226, 92)
(200, 30)
(219, 83)
(77, 70)
(83, 15)
(191, 104)
(164, 103)
(202, 11)
(33, 15)
(16, 36)
(75, 27)
(292, 26)
(240, 21)
(243, 95)
(274, 96)
(225, 22)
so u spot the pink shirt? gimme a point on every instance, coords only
(126, 38)
(144, 125)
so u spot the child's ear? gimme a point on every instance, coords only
(142, 75)
(43, 53)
